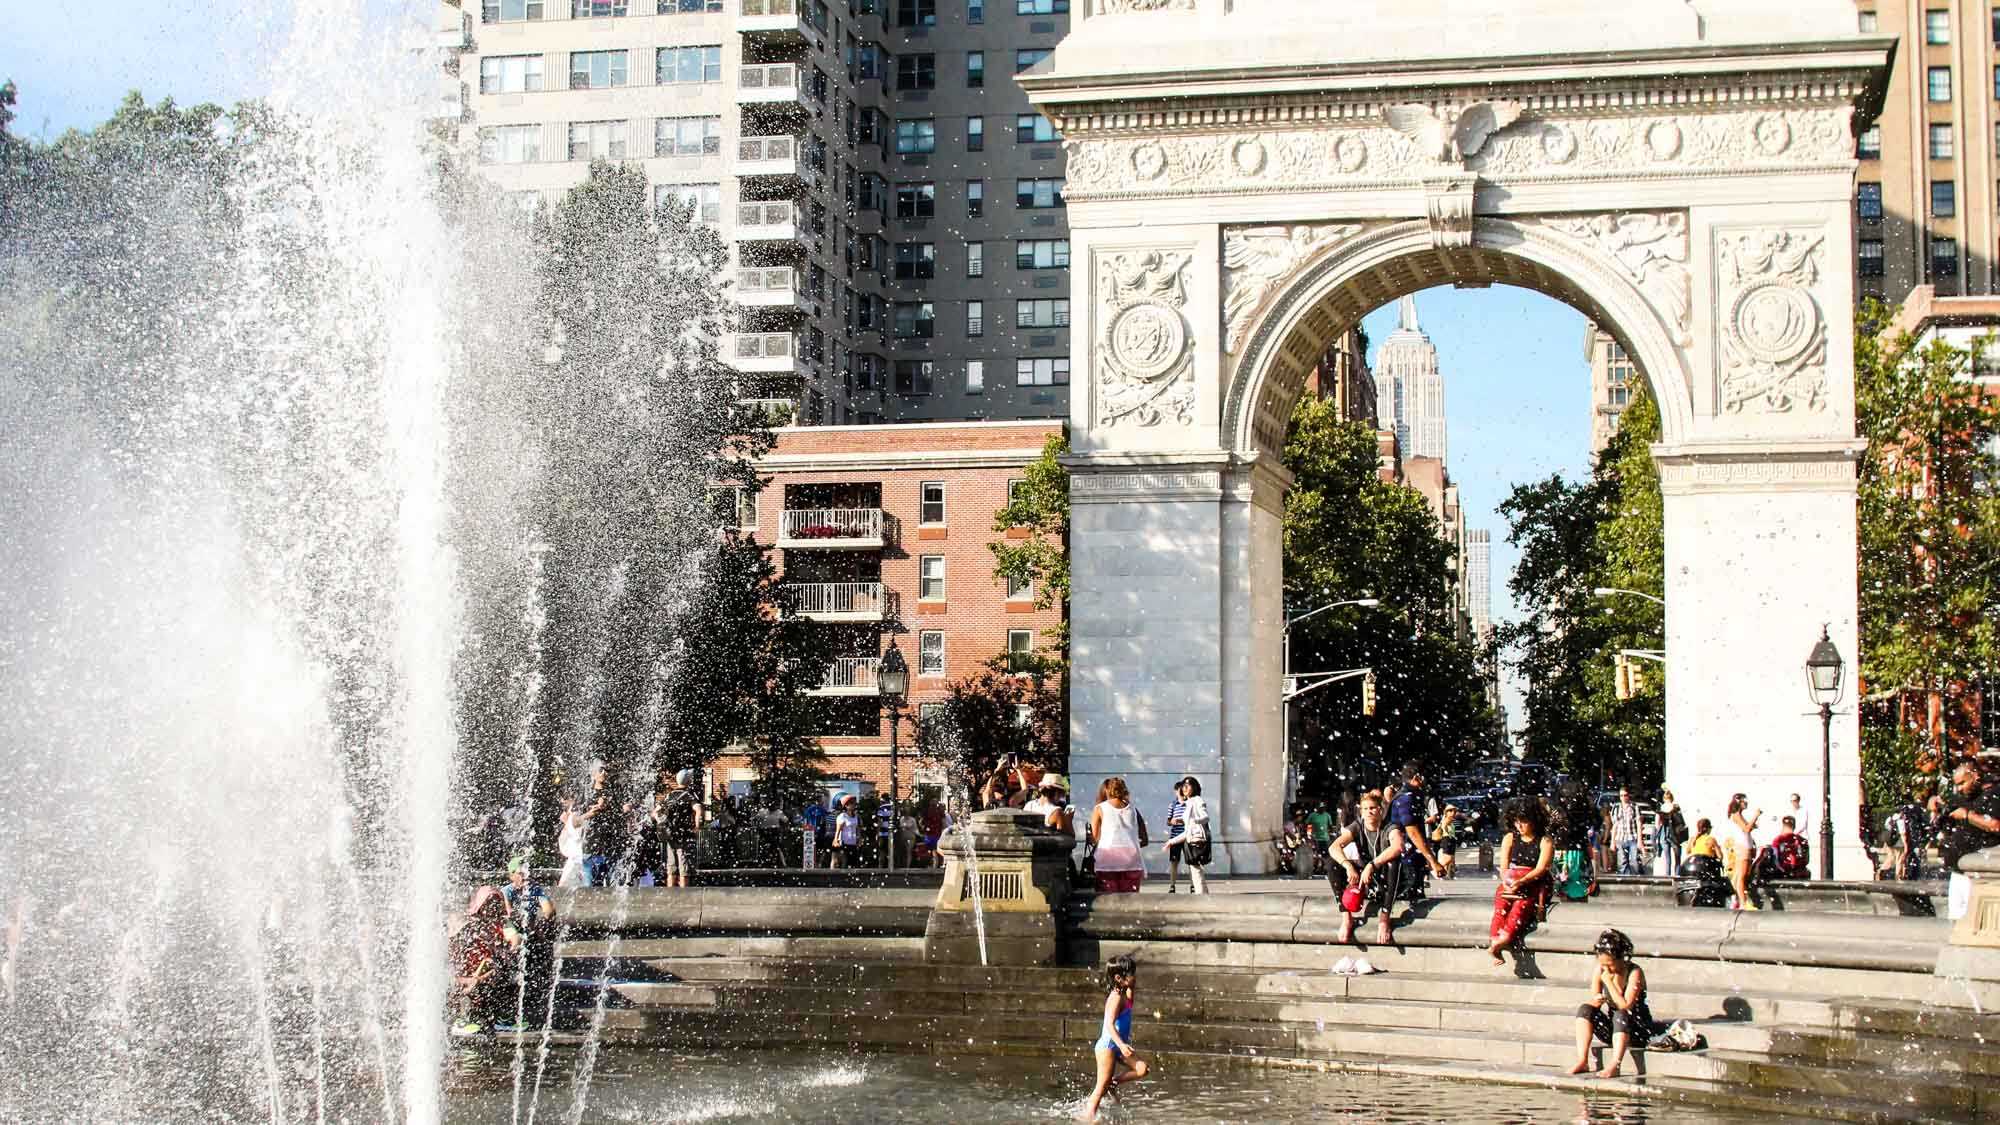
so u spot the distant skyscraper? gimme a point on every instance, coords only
(1409, 391)
(1479, 579)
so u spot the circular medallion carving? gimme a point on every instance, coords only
(1350, 153)
(1663, 140)
(1774, 323)
(1558, 144)
(1773, 134)
(1149, 160)
(1249, 155)
(1147, 340)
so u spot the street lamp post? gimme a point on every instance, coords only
(1607, 591)
(1285, 692)
(1823, 677)
(892, 682)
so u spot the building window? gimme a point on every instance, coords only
(596, 70)
(510, 74)
(1940, 141)
(597, 140)
(1989, 688)
(1015, 487)
(704, 199)
(1045, 372)
(915, 320)
(975, 259)
(916, 200)
(1050, 312)
(1033, 128)
(1868, 146)
(916, 135)
(914, 376)
(1944, 199)
(930, 644)
(1937, 27)
(975, 318)
(1019, 589)
(931, 508)
(916, 260)
(684, 65)
(669, 7)
(1037, 194)
(510, 144)
(975, 68)
(1029, 56)
(687, 136)
(975, 11)
(1867, 22)
(507, 11)
(916, 72)
(1939, 83)
(1040, 7)
(930, 578)
(975, 376)
(1944, 257)
(1020, 642)
(1868, 202)
(1042, 254)
(975, 198)
(975, 134)
(734, 507)
(600, 9)
(916, 13)
(1868, 257)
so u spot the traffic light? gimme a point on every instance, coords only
(1635, 675)
(1621, 676)
(1368, 694)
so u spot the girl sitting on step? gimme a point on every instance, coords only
(1116, 1061)
(1616, 1012)
(1524, 858)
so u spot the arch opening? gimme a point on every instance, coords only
(1330, 294)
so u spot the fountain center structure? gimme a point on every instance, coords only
(1247, 178)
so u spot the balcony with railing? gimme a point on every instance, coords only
(763, 353)
(769, 221)
(770, 84)
(769, 287)
(831, 529)
(849, 675)
(776, 157)
(773, 20)
(773, 412)
(837, 601)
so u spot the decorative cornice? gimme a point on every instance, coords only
(1825, 465)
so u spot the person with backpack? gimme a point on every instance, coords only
(677, 821)
(1673, 829)
(1191, 838)
(1788, 856)
(1909, 829)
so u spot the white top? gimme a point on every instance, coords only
(1799, 815)
(1118, 838)
(1194, 822)
(846, 830)
(1735, 843)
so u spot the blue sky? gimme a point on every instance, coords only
(1517, 389)
(1516, 399)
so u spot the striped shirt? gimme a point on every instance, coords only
(1624, 822)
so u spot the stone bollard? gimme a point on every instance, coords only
(1968, 966)
(1023, 873)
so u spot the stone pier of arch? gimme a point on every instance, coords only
(1247, 178)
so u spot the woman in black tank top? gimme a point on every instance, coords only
(1525, 854)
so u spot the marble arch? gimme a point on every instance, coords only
(1247, 177)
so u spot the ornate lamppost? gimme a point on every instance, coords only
(1823, 677)
(892, 685)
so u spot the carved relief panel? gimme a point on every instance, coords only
(1142, 353)
(1771, 333)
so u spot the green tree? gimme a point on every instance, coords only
(1040, 505)
(1929, 518)
(1349, 534)
(1575, 537)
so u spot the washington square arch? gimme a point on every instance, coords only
(1248, 177)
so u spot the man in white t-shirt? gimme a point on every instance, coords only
(1799, 817)
(847, 832)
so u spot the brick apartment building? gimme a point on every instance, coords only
(882, 535)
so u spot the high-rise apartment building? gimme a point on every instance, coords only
(1409, 390)
(1612, 376)
(1479, 580)
(1927, 196)
(893, 206)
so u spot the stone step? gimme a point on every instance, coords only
(1919, 1055)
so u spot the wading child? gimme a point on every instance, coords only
(1616, 1012)
(1116, 1061)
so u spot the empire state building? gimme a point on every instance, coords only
(1409, 391)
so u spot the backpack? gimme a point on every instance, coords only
(1789, 856)
(679, 818)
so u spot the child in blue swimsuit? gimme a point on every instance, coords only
(1116, 1061)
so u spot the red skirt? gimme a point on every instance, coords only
(1515, 915)
(1119, 882)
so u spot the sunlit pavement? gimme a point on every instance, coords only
(1468, 884)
